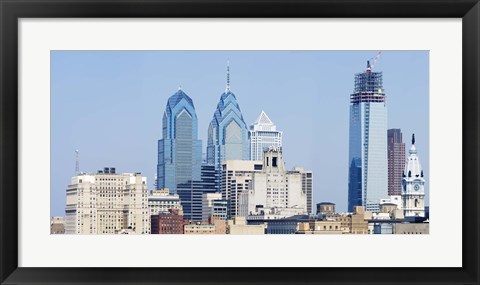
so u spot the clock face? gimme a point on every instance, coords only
(416, 187)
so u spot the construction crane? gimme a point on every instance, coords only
(370, 66)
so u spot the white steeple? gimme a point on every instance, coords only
(413, 166)
(413, 182)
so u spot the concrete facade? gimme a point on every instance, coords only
(161, 201)
(107, 203)
(411, 228)
(238, 226)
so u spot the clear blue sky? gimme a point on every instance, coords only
(109, 105)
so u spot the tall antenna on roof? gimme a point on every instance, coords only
(77, 162)
(228, 76)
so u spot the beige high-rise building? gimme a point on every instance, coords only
(213, 206)
(107, 203)
(307, 185)
(275, 187)
(237, 177)
(249, 185)
(161, 201)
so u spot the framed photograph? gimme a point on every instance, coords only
(254, 142)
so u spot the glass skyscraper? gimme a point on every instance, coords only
(180, 167)
(179, 151)
(368, 176)
(263, 134)
(227, 132)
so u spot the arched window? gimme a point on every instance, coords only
(416, 203)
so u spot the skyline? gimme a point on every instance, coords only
(98, 77)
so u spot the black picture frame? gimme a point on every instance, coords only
(11, 11)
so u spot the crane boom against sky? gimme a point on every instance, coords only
(370, 66)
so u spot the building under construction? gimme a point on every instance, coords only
(368, 179)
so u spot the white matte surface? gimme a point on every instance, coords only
(38, 248)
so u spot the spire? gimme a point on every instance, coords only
(413, 162)
(77, 162)
(413, 149)
(179, 87)
(228, 76)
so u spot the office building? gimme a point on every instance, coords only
(214, 206)
(367, 181)
(180, 167)
(199, 229)
(396, 161)
(57, 225)
(263, 134)
(321, 227)
(239, 226)
(227, 132)
(179, 150)
(275, 187)
(168, 223)
(276, 224)
(237, 177)
(161, 201)
(359, 220)
(307, 185)
(107, 203)
(193, 200)
(411, 228)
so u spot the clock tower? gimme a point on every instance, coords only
(413, 182)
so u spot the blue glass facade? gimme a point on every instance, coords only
(193, 200)
(368, 170)
(227, 132)
(179, 151)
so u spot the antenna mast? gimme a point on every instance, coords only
(77, 163)
(228, 76)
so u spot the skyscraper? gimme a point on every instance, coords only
(367, 181)
(107, 202)
(307, 185)
(396, 161)
(262, 135)
(179, 151)
(227, 132)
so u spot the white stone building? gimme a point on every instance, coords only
(413, 182)
(107, 203)
(235, 178)
(307, 185)
(213, 205)
(160, 201)
(262, 135)
(275, 187)
(253, 185)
